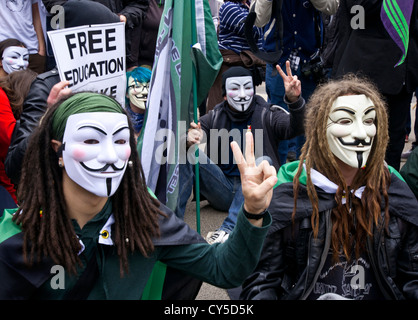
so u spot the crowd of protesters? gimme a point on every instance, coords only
(327, 210)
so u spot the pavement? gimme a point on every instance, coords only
(211, 219)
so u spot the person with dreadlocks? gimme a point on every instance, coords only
(344, 222)
(85, 207)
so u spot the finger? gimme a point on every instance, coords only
(57, 88)
(293, 83)
(267, 169)
(282, 74)
(193, 125)
(267, 185)
(288, 69)
(64, 93)
(249, 149)
(55, 93)
(239, 157)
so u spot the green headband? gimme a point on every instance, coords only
(81, 103)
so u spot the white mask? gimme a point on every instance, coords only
(351, 129)
(15, 58)
(96, 150)
(138, 92)
(239, 92)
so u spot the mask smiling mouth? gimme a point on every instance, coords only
(140, 96)
(18, 68)
(104, 168)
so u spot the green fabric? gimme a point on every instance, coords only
(223, 265)
(409, 171)
(154, 288)
(7, 227)
(81, 103)
(288, 171)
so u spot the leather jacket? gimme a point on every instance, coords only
(34, 108)
(292, 258)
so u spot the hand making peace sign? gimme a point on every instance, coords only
(292, 84)
(257, 182)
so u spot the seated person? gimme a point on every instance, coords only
(240, 110)
(86, 210)
(344, 223)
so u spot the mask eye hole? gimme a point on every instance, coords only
(345, 122)
(369, 122)
(91, 141)
(121, 141)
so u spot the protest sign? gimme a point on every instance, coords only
(92, 58)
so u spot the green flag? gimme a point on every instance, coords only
(187, 39)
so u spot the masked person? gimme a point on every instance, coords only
(344, 222)
(86, 207)
(14, 56)
(136, 96)
(77, 13)
(241, 110)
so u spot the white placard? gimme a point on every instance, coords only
(92, 58)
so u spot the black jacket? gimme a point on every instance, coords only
(277, 124)
(34, 108)
(289, 265)
(372, 51)
(133, 10)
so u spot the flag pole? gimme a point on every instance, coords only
(195, 119)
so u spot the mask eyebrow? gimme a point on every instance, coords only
(120, 129)
(370, 110)
(94, 128)
(346, 110)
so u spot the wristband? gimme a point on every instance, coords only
(254, 216)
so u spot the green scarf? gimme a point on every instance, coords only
(81, 103)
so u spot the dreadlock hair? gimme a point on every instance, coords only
(316, 153)
(48, 231)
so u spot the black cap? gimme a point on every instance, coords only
(234, 72)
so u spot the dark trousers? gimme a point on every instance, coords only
(399, 107)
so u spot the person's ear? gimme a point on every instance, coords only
(55, 144)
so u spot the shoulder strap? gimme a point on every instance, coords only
(86, 281)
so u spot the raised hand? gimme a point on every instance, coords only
(59, 91)
(257, 181)
(292, 85)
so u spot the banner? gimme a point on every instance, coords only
(92, 58)
(186, 56)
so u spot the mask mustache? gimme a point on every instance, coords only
(104, 168)
(242, 99)
(356, 142)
